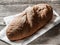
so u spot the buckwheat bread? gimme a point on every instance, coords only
(29, 22)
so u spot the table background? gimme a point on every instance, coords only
(12, 7)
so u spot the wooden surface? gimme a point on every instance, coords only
(12, 7)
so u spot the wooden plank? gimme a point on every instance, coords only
(7, 2)
(1, 18)
(6, 10)
(2, 23)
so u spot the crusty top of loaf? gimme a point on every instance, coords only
(29, 21)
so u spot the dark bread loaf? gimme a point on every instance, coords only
(29, 21)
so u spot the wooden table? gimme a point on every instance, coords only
(13, 7)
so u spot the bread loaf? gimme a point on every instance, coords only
(29, 22)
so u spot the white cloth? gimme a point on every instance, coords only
(52, 23)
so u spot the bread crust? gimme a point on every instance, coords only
(29, 22)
